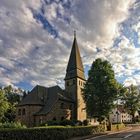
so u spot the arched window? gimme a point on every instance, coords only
(19, 112)
(62, 105)
(79, 82)
(40, 120)
(23, 111)
(67, 83)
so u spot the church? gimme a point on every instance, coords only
(43, 104)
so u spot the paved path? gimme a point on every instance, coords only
(131, 134)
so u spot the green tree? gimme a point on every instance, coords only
(4, 105)
(11, 95)
(131, 100)
(100, 90)
(13, 99)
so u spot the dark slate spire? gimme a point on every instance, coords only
(75, 66)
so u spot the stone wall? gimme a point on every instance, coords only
(60, 111)
(74, 89)
(81, 107)
(27, 118)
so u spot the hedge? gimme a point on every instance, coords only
(12, 125)
(115, 127)
(49, 133)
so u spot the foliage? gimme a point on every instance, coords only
(67, 122)
(131, 100)
(51, 133)
(13, 98)
(51, 123)
(4, 105)
(100, 90)
(86, 122)
(63, 123)
(77, 122)
(115, 127)
(10, 114)
(12, 125)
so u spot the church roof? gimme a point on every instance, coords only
(35, 97)
(75, 66)
(45, 97)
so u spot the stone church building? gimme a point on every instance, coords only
(53, 103)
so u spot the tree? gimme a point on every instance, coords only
(131, 100)
(100, 90)
(13, 99)
(4, 105)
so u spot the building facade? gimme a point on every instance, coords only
(43, 104)
(120, 115)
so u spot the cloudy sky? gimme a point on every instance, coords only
(36, 38)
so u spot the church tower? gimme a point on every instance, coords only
(74, 82)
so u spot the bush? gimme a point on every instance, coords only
(78, 123)
(137, 120)
(67, 122)
(12, 125)
(49, 133)
(63, 123)
(52, 123)
(85, 122)
(115, 127)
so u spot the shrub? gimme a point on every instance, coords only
(12, 125)
(67, 122)
(52, 123)
(137, 119)
(115, 127)
(78, 123)
(63, 123)
(85, 122)
(48, 133)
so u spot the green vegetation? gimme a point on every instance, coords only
(51, 133)
(66, 123)
(131, 100)
(4, 105)
(115, 127)
(11, 125)
(100, 90)
(8, 101)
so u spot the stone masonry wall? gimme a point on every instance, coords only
(61, 110)
(27, 118)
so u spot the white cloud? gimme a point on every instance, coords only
(30, 53)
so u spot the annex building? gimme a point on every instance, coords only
(53, 103)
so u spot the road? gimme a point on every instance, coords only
(132, 134)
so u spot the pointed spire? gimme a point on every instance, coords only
(74, 34)
(75, 66)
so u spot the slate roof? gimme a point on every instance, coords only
(35, 97)
(75, 66)
(121, 109)
(46, 97)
